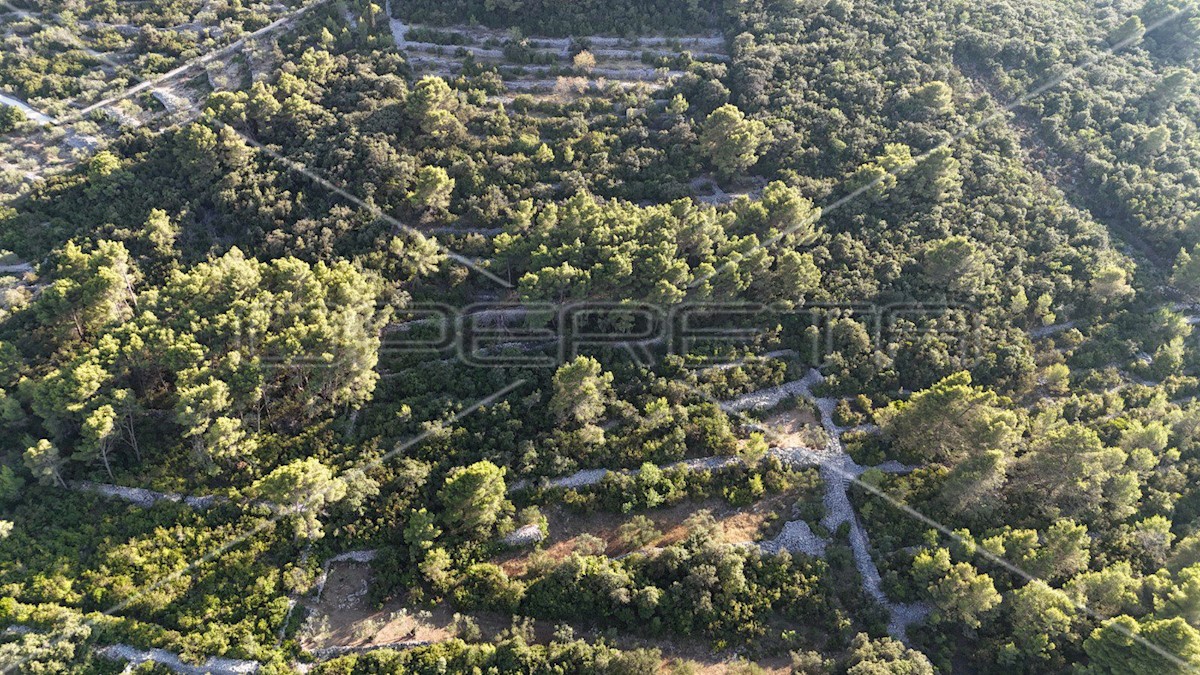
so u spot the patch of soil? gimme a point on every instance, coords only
(777, 666)
(736, 525)
(352, 621)
(795, 429)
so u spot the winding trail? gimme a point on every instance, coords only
(30, 112)
(399, 28)
(792, 456)
(838, 470)
(837, 474)
(72, 138)
(136, 656)
(213, 666)
(1053, 329)
(16, 268)
(147, 498)
(143, 497)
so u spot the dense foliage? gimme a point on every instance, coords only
(919, 199)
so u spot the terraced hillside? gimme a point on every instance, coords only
(506, 64)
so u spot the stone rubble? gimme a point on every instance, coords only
(143, 497)
(524, 537)
(796, 537)
(213, 666)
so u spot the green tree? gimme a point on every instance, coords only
(198, 408)
(949, 421)
(731, 140)
(10, 485)
(91, 289)
(934, 98)
(1069, 472)
(301, 490)
(959, 592)
(306, 337)
(786, 209)
(1185, 553)
(438, 569)
(638, 531)
(679, 105)
(582, 390)
(1040, 617)
(936, 177)
(1064, 551)
(43, 460)
(420, 533)
(161, 233)
(1174, 85)
(954, 264)
(1110, 284)
(1128, 33)
(474, 499)
(66, 394)
(99, 434)
(434, 105)
(793, 280)
(1183, 598)
(11, 117)
(877, 177)
(1186, 274)
(1109, 591)
(885, 656)
(419, 256)
(432, 190)
(1126, 646)
(1154, 141)
(974, 485)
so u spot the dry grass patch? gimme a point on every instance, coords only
(570, 531)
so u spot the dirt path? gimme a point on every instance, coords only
(213, 666)
(837, 473)
(838, 470)
(136, 656)
(590, 477)
(143, 497)
(399, 28)
(30, 112)
(1047, 331)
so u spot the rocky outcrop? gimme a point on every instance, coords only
(523, 537)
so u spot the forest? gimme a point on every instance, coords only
(757, 336)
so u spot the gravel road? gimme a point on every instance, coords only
(767, 398)
(215, 666)
(837, 472)
(399, 29)
(143, 497)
